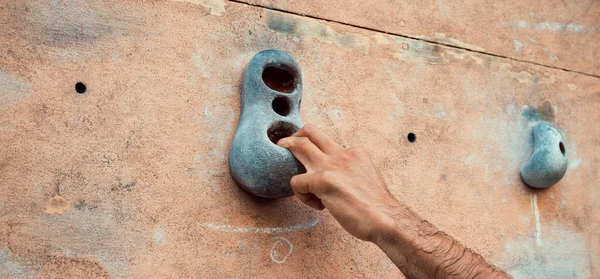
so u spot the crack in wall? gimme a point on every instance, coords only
(417, 39)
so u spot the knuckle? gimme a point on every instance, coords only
(327, 177)
(357, 150)
(303, 141)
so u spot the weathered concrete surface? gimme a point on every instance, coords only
(563, 34)
(139, 160)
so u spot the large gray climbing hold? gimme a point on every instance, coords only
(548, 163)
(270, 110)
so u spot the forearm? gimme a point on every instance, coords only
(346, 182)
(420, 250)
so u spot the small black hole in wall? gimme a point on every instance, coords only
(412, 137)
(281, 130)
(562, 148)
(80, 87)
(280, 78)
(281, 105)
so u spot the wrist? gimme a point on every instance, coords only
(386, 228)
(399, 225)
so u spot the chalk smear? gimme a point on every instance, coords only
(518, 45)
(554, 26)
(575, 164)
(538, 223)
(564, 254)
(281, 241)
(258, 230)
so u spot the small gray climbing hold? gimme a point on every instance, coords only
(548, 163)
(270, 110)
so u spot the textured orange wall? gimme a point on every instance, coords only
(131, 178)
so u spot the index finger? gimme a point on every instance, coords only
(320, 139)
(303, 149)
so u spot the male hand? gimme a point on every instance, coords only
(341, 180)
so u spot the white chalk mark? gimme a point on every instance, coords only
(158, 236)
(518, 46)
(275, 255)
(538, 223)
(554, 26)
(573, 164)
(256, 230)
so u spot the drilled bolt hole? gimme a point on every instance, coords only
(562, 148)
(80, 87)
(280, 78)
(412, 137)
(281, 105)
(281, 130)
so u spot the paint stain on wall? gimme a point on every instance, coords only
(463, 54)
(380, 39)
(216, 7)
(526, 77)
(69, 267)
(411, 50)
(57, 205)
(74, 22)
(414, 50)
(545, 111)
(12, 89)
(10, 268)
(310, 28)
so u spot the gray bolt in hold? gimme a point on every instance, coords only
(548, 163)
(270, 111)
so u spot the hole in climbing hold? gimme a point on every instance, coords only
(80, 87)
(562, 148)
(280, 78)
(281, 105)
(412, 137)
(281, 130)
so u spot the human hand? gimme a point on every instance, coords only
(341, 180)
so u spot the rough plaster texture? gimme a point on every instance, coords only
(549, 160)
(140, 159)
(561, 34)
(257, 164)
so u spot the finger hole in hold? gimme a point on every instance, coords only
(281, 130)
(281, 105)
(280, 78)
(562, 148)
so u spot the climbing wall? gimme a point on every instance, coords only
(126, 174)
